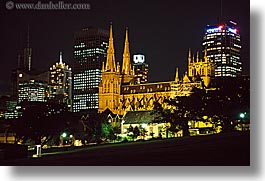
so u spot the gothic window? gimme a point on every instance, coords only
(104, 87)
(108, 87)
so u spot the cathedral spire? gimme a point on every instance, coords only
(118, 67)
(197, 58)
(110, 63)
(103, 67)
(126, 65)
(189, 56)
(205, 56)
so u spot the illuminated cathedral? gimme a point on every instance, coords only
(119, 93)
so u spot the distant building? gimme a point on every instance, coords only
(25, 56)
(24, 64)
(119, 93)
(8, 109)
(60, 83)
(90, 50)
(32, 85)
(141, 69)
(223, 45)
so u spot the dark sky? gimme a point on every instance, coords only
(162, 30)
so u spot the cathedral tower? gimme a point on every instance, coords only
(200, 67)
(127, 70)
(109, 87)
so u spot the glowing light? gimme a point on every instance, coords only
(144, 125)
(242, 115)
(64, 135)
(232, 30)
(71, 136)
(205, 117)
(138, 58)
(211, 30)
(233, 22)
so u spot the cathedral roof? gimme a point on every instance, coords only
(186, 79)
(138, 117)
(146, 88)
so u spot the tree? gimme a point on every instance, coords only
(40, 122)
(182, 110)
(136, 132)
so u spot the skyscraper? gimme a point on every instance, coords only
(32, 86)
(223, 44)
(24, 64)
(60, 83)
(90, 50)
(28, 84)
(141, 69)
(25, 56)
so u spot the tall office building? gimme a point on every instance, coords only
(32, 85)
(24, 64)
(29, 84)
(141, 69)
(25, 56)
(60, 83)
(223, 45)
(90, 50)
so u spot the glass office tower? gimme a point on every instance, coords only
(90, 50)
(223, 45)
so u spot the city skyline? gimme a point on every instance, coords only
(164, 34)
(163, 73)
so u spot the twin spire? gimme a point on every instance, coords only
(126, 64)
(111, 63)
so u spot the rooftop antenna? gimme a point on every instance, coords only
(220, 18)
(61, 58)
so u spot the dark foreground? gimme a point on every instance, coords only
(223, 149)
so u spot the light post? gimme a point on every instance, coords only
(242, 116)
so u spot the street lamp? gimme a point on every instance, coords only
(64, 135)
(242, 115)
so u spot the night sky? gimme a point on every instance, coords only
(162, 30)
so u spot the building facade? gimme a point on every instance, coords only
(223, 45)
(202, 68)
(90, 50)
(60, 83)
(119, 93)
(32, 86)
(141, 69)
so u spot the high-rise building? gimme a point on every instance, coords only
(141, 69)
(32, 85)
(25, 56)
(90, 50)
(24, 64)
(223, 44)
(60, 83)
